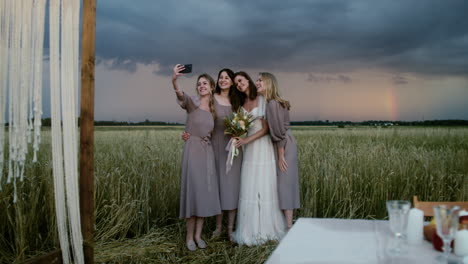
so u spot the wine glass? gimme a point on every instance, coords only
(398, 212)
(446, 226)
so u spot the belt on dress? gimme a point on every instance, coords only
(206, 143)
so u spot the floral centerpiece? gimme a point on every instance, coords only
(237, 125)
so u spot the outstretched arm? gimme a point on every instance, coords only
(179, 93)
(262, 132)
(176, 73)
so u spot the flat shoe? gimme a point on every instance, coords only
(201, 243)
(231, 238)
(216, 234)
(230, 234)
(191, 245)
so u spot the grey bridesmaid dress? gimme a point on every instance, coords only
(199, 191)
(229, 183)
(288, 182)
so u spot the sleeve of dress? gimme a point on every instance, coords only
(186, 102)
(261, 106)
(275, 115)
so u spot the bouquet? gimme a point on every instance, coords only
(236, 125)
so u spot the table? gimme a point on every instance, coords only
(333, 241)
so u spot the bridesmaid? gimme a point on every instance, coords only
(277, 113)
(226, 100)
(199, 192)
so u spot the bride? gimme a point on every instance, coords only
(259, 217)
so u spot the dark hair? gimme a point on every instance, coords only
(237, 98)
(252, 87)
(230, 73)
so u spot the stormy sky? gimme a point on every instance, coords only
(335, 60)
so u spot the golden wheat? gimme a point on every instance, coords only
(345, 173)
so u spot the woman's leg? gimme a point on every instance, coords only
(288, 214)
(219, 225)
(190, 222)
(190, 228)
(198, 231)
(231, 221)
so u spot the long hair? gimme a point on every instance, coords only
(230, 73)
(235, 97)
(272, 89)
(252, 88)
(212, 85)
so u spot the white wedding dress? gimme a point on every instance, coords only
(259, 217)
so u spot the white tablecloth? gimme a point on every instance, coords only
(333, 241)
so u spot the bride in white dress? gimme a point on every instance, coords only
(259, 217)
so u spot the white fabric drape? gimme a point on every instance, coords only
(5, 7)
(38, 48)
(57, 147)
(64, 37)
(69, 87)
(21, 61)
(21, 46)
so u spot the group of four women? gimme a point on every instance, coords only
(263, 179)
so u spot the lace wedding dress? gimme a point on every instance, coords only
(259, 218)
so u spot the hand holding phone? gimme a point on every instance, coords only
(187, 68)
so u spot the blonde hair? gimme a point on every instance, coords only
(212, 85)
(272, 89)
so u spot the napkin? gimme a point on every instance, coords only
(462, 213)
(415, 226)
(461, 243)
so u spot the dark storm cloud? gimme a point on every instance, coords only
(328, 78)
(425, 37)
(399, 80)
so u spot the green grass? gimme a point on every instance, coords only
(345, 173)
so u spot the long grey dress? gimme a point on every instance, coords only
(229, 184)
(288, 182)
(199, 192)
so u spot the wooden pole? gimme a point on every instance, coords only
(87, 128)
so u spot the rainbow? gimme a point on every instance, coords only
(391, 103)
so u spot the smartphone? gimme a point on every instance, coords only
(188, 68)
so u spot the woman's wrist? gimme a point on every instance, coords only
(174, 84)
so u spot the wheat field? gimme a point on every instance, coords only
(344, 173)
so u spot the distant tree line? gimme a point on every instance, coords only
(453, 122)
(47, 122)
